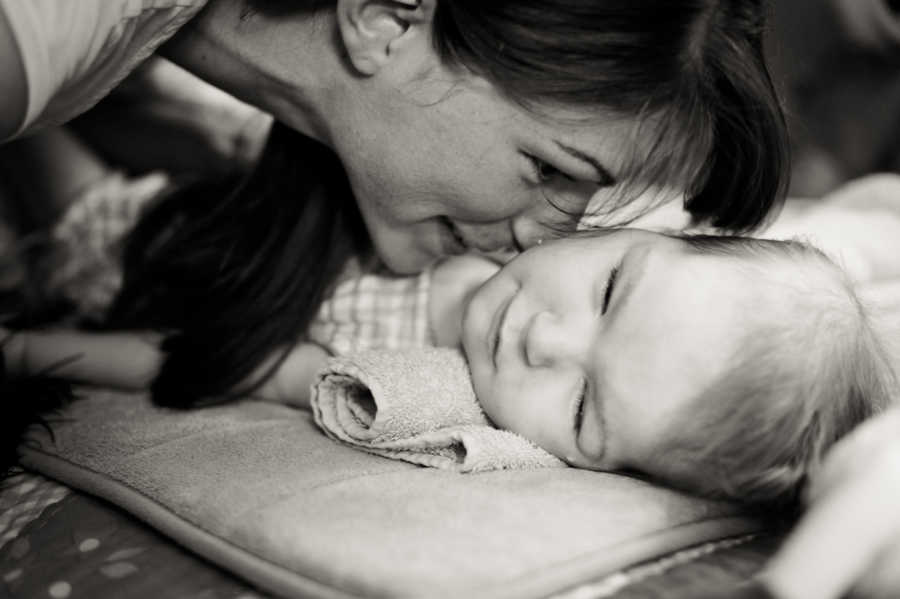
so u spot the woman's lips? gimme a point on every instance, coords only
(484, 238)
(496, 329)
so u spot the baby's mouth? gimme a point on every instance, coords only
(457, 242)
(495, 332)
(460, 241)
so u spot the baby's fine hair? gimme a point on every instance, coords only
(796, 384)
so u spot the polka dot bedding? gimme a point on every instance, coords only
(61, 544)
(23, 497)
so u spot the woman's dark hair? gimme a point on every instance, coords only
(234, 276)
(695, 69)
(239, 277)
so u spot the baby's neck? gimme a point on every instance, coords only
(453, 282)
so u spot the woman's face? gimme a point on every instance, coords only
(444, 164)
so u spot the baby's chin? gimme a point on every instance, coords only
(477, 376)
(471, 336)
(477, 371)
(488, 407)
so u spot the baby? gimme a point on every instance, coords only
(722, 366)
(725, 366)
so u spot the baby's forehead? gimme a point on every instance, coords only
(794, 268)
(785, 261)
(797, 295)
(771, 282)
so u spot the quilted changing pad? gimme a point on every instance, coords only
(256, 488)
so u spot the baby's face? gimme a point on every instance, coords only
(589, 346)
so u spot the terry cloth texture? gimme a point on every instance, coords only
(257, 488)
(418, 406)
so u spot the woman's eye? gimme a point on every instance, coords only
(544, 171)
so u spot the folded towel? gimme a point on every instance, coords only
(418, 406)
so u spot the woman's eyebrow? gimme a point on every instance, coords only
(603, 174)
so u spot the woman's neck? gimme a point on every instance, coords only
(285, 64)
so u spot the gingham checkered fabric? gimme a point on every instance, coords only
(85, 263)
(374, 311)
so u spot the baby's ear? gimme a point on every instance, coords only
(375, 31)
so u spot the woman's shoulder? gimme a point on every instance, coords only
(74, 53)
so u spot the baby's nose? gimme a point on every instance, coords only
(549, 340)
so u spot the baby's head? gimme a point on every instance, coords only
(723, 366)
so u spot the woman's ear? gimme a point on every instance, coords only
(373, 31)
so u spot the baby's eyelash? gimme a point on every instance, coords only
(610, 284)
(579, 406)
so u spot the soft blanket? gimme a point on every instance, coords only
(258, 489)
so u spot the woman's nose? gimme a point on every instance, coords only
(549, 339)
(527, 232)
(548, 221)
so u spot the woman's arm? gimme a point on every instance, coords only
(131, 359)
(58, 58)
(291, 383)
(125, 360)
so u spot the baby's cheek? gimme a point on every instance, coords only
(507, 408)
(491, 404)
(517, 414)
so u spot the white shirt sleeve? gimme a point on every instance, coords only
(75, 51)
